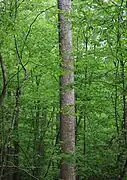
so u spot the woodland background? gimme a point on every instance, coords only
(29, 116)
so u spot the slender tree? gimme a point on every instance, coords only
(3, 93)
(67, 124)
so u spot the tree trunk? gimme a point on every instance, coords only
(3, 93)
(67, 110)
(16, 130)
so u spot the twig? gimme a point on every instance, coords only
(30, 27)
(24, 171)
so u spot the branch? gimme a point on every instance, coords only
(30, 27)
(3, 93)
(13, 75)
(19, 57)
(20, 168)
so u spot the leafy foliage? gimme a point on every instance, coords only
(29, 125)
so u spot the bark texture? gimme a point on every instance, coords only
(67, 110)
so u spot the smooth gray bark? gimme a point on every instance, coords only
(67, 110)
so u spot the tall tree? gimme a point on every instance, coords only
(67, 110)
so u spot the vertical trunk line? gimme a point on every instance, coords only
(67, 109)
